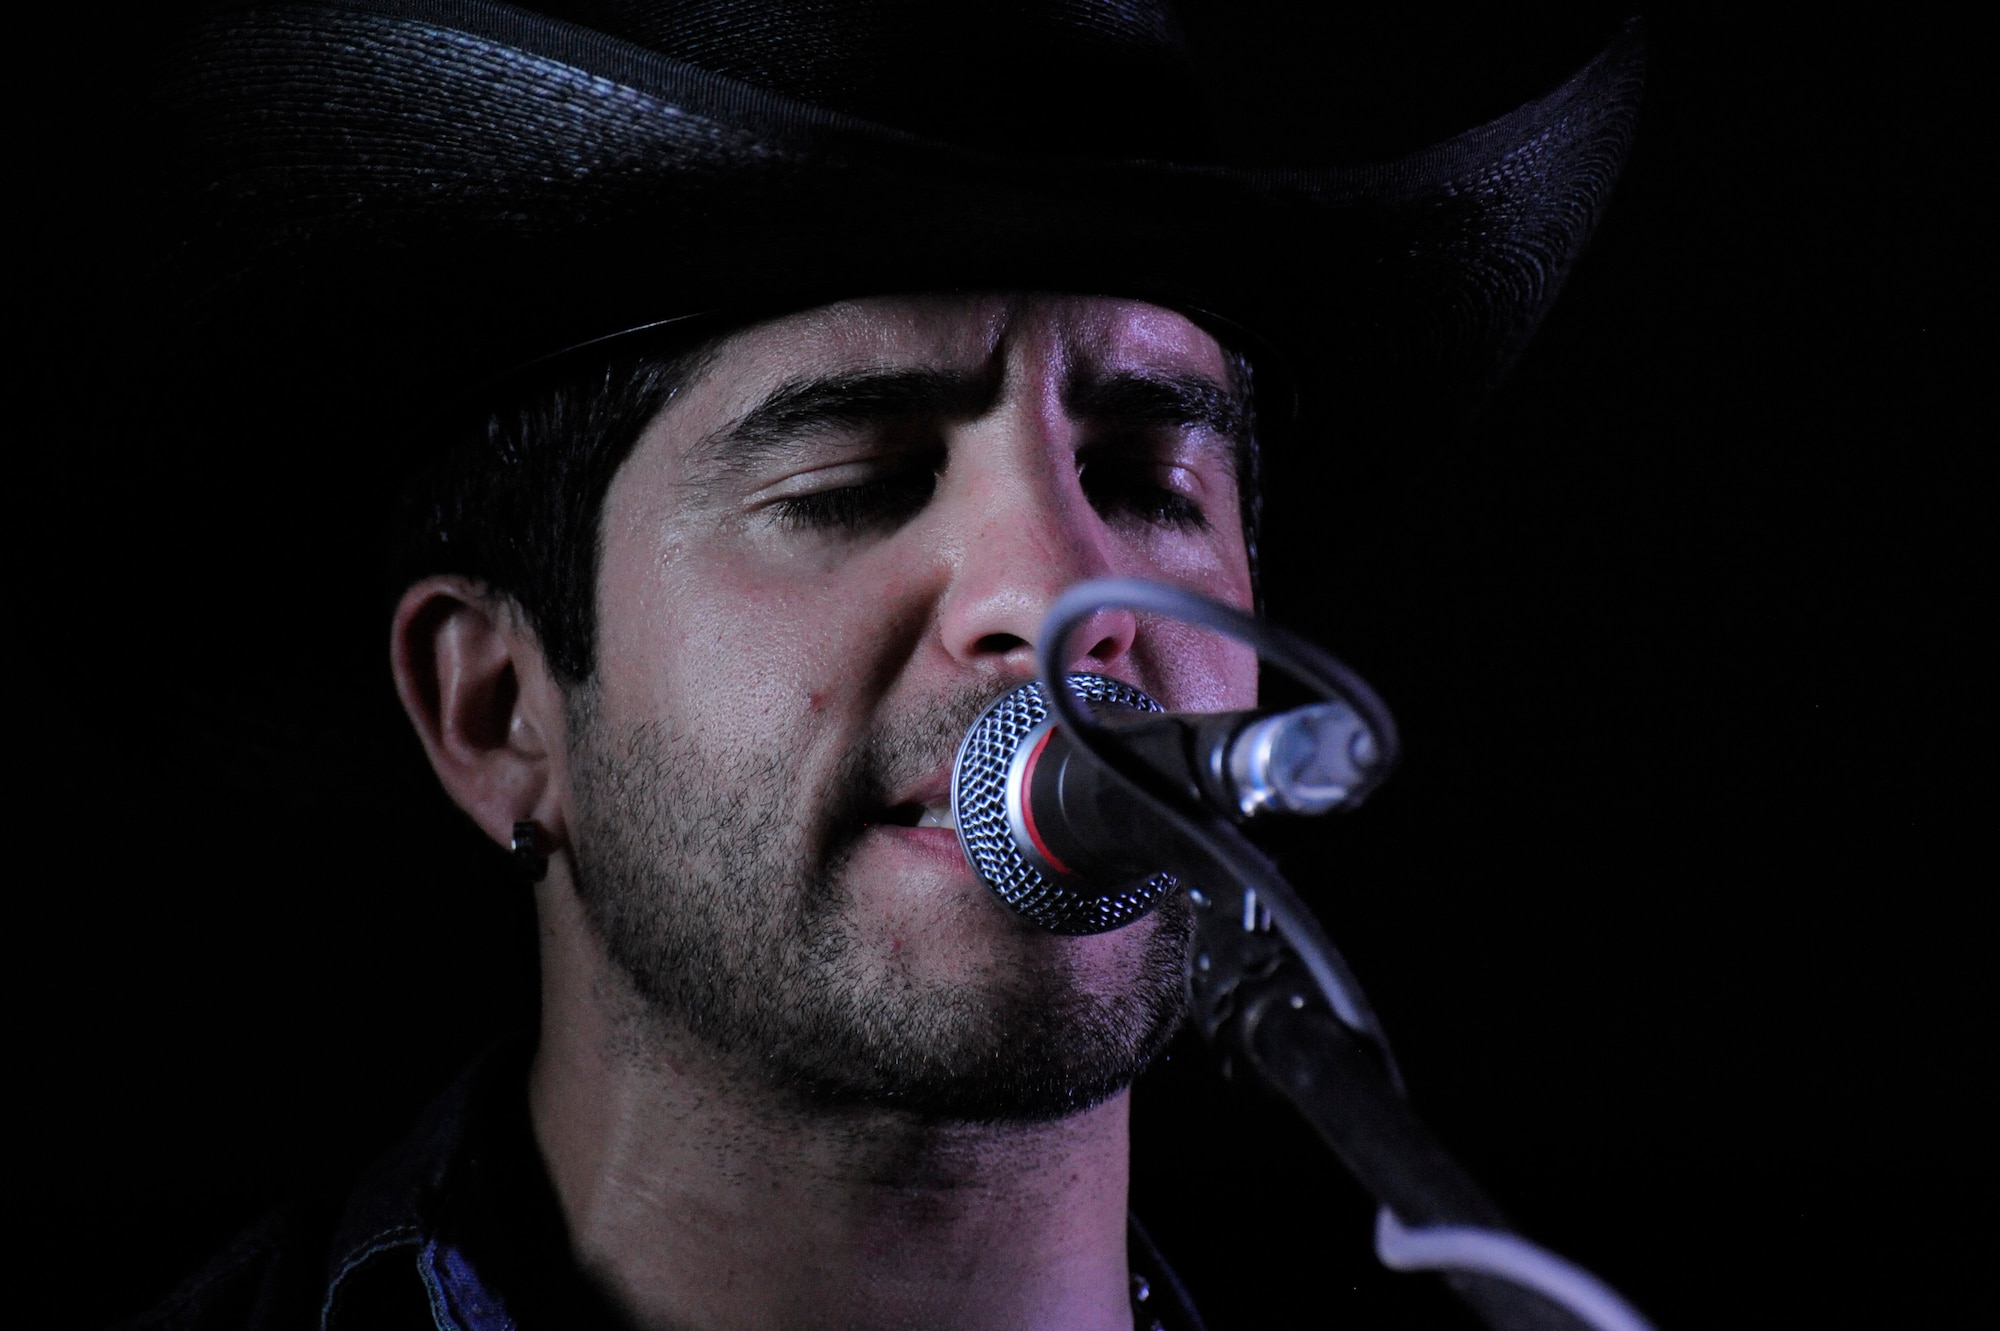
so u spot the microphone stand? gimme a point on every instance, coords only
(1260, 1009)
(1272, 993)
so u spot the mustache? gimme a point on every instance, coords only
(896, 754)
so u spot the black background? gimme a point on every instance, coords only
(1676, 911)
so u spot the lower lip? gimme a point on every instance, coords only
(934, 843)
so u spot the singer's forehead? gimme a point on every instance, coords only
(951, 356)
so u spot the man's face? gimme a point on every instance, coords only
(828, 553)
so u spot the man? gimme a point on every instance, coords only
(785, 1029)
(696, 611)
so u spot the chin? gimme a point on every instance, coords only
(1030, 1027)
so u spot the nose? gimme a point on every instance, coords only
(1020, 551)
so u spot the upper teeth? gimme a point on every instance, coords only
(939, 815)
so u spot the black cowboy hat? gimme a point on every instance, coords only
(407, 197)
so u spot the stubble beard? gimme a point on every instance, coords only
(721, 890)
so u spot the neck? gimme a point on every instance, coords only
(702, 1199)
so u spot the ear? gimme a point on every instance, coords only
(477, 687)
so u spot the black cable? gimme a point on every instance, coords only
(1513, 1284)
(1229, 849)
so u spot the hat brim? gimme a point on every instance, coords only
(415, 194)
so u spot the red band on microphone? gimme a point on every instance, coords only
(1028, 804)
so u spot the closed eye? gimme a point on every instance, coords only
(878, 500)
(1144, 489)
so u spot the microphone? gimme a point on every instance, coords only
(1067, 843)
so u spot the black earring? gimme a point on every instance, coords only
(529, 857)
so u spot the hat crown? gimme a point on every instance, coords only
(1108, 78)
(431, 192)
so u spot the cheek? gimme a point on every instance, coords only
(1198, 671)
(1214, 561)
(1194, 669)
(726, 642)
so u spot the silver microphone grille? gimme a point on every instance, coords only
(1062, 904)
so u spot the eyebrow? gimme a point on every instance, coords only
(807, 406)
(803, 407)
(1178, 400)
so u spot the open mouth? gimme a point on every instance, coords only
(914, 814)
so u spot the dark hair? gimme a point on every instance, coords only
(515, 499)
(1249, 468)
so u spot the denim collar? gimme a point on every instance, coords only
(458, 1227)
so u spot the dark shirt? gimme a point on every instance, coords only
(458, 1229)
